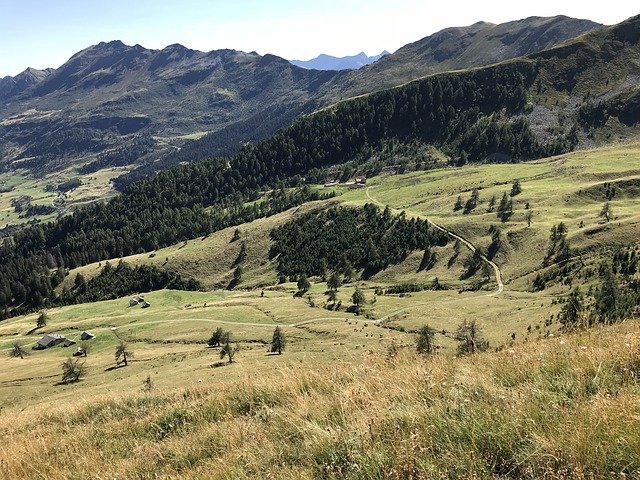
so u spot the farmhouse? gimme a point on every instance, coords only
(87, 336)
(48, 341)
(361, 180)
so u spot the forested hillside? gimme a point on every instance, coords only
(343, 239)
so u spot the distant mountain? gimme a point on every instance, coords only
(328, 62)
(12, 86)
(112, 90)
(459, 48)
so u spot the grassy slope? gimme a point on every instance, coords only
(333, 386)
(560, 408)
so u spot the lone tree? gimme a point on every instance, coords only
(216, 338)
(472, 202)
(458, 205)
(303, 284)
(608, 295)
(528, 217)
(470, 338)
(505, 207)
(516, 188)
(426, 343)
(278, 341)
(334, 281)
(358, 298)
(123, 354)
(606, 212)
(228, 350)
(492, 204)
(18, 351)
(42, 319)
(72, 370)
(333, 296)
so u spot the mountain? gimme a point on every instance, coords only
(479, 44)
(329, 62)
(12, 86)
(112, 90)
(460, 48)
(106, 95)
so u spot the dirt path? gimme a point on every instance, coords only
(462, 240)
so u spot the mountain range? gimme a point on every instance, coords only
(329, 62)
(109, 92)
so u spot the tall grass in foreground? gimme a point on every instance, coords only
(561, 408)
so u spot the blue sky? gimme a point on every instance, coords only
(45, 33)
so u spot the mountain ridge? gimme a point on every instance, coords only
(330, 62)
(238, 97)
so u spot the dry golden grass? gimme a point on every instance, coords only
(560, 408)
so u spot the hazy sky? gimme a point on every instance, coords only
(45, 33)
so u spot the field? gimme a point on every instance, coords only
(349, 397)
(95, 186)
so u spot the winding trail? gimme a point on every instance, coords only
(462, 240)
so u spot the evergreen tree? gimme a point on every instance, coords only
(606, 212)
(229, 350)
(571, 313)
(608, 295)
(334, 281)
(516, 188)
(492, 204)
(303, 284)
(278, 341)
(358, 298)
(42, 320)
(216, 338)
(458, 205)
(426, 341)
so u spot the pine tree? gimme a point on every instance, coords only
(458, 205)
(571, 313)
(18, 351)
(426, 343)
(278, 341)
(358, 298)
(303, 284)
(216, 338)
(516, 188)
(608, 296)
(334, 281)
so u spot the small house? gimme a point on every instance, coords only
(133, 302)
(145, 304)
(87, 336)
(331, 182)
(48, 341)
(80, 352)
(361, 180)
(68, 342)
